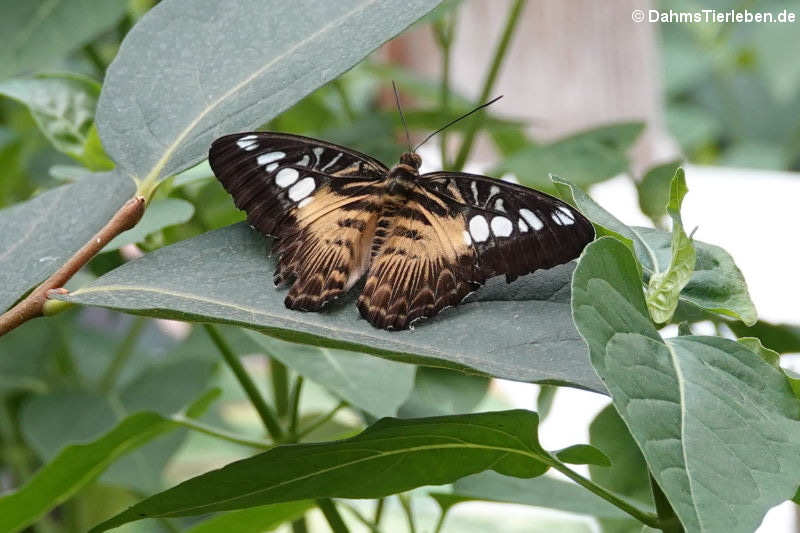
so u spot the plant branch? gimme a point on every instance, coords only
(280, 386)
(322, 420)
(31, 306)
(488, 84)
(266, 413)
(124, 353)
(219, 433)
(294, 408)
(644, 517)
(332, 515)
(405, 503)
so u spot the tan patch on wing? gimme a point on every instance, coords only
(326, 250)
(419, 269)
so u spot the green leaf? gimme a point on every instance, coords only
(718, 425)
(377, 386)
(160, 214)
(38, 236)
(73, 468)
(202, 76)
(443, 392)
(543, 491)
(37, 33)
(782, 338)
(223, 276)
(582, 454)
(588, 157)
(717, 284)
(754, 345)
(627, 475)
(255, 519)
(664, 286)
(62, 106)
(544, 400)
(654, 189)
(390, 456)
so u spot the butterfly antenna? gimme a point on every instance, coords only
(402, 116)
(465, 115)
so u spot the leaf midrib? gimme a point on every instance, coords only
(162, 162)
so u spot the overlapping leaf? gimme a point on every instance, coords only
(525, 329)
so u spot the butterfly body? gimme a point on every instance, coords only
(423, 241)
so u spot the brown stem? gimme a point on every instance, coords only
(31, 306)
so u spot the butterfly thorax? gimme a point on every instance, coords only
(403, 174)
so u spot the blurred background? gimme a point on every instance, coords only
(589, 93)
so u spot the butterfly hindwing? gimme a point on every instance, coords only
(317, 199)
(514, 230)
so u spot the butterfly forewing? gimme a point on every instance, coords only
(318, 199)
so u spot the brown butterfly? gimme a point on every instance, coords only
(424, 241)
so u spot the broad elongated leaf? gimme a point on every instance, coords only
(36, 33)
(782, 338)
(587, 157)
(717, 284)
(37, 236)
(180, 81)
(62, 106)
(160, 214)
(254, 520)
(718, 426)
(443, 392)
(521, 331)
(664, 286)
(543, 491)
(654, 190)
(390, 456)
(377, 386)
(74, 467)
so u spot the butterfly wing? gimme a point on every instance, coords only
(316, 198)
(456, 231)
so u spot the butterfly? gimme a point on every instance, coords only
(424, 241)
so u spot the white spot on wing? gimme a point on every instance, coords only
(479, 228)
(303, 162)
(271, 167)
(523, 227)
(302, 188)
(263, 159)
(474, 187)
(318, 151)
(331, 162)
(467, 238)
(499, 206)
(305, 201)
(532, 220)
(502, 227)
(247, 142)
(566, 215)
(494, 190)
(286, 176)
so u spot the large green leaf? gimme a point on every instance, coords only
(74, 467)
(543, 491)
(521, 331)
(718, 426)
(160, 214)
(255, 519)
(653, 190)
(717, 284)
(37, 236)
(390, 456)
(587, 157)
(443, 392)
(377, 386)
(180, 81)
(62, 106)
(782, 338)
(36, 33)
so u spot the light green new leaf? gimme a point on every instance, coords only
(717, 284)
(391, 456)
(587, 157)
(718, 426)
(654, 190)
(62, 106)
(37, 236)
(160, 214)
(37, 33)
(377, 386)
(664, 287)
(224, 276)
(754, 345)
(543, 491)
(180, 81)
(255, 519)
